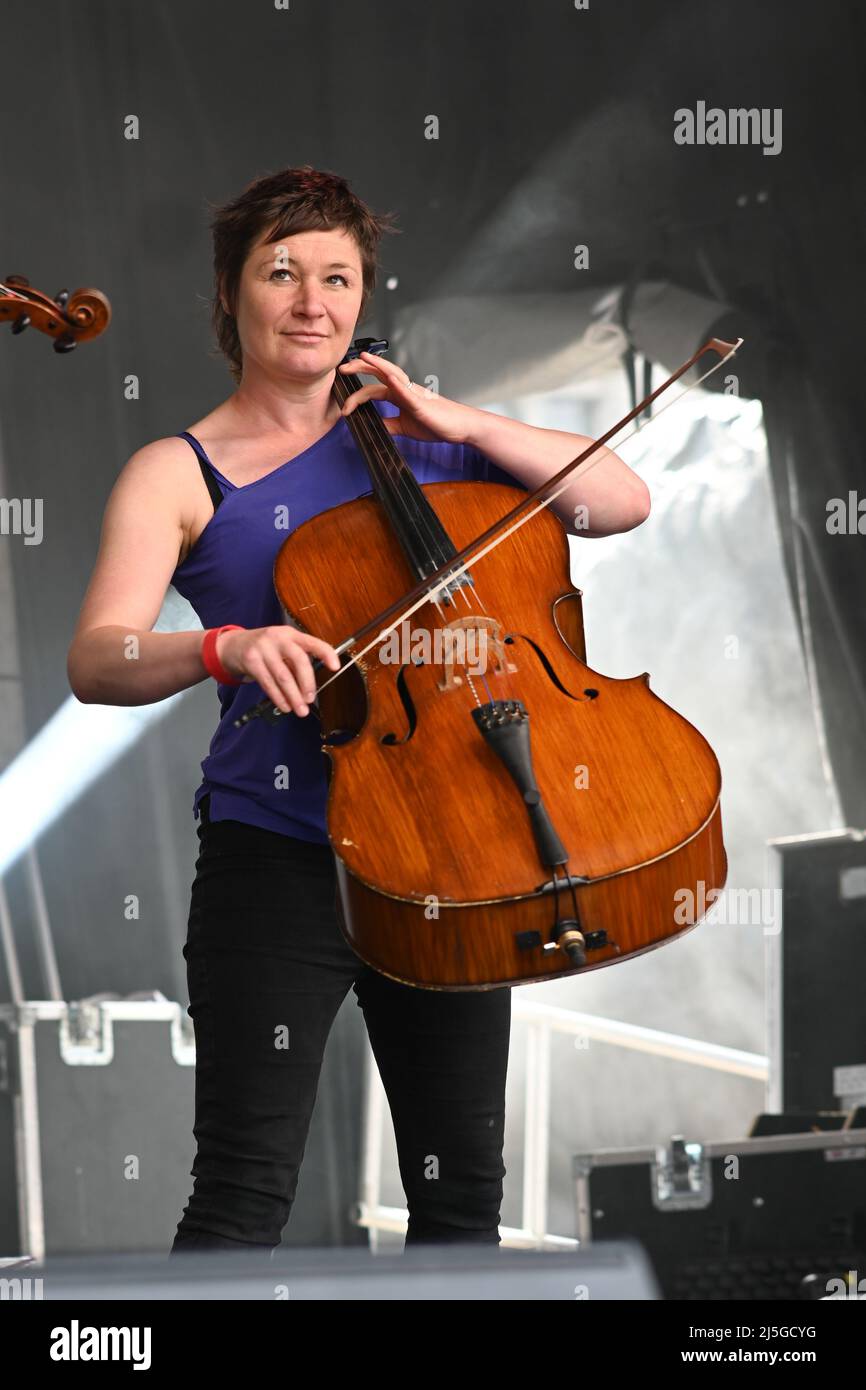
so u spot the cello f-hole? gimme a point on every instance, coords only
(546, 663)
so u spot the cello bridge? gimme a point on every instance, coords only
(476, 644)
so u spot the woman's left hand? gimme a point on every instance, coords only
(423, 413)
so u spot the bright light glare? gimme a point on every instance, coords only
(74, 748)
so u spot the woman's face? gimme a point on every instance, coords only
(298, 303)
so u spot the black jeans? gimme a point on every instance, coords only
(266, 960)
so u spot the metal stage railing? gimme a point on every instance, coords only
(541, 1021)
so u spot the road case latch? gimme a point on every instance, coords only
(681, 1178)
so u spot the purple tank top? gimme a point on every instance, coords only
(228, 578)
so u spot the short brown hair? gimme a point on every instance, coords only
(294, 200)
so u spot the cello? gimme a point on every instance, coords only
(499, 812)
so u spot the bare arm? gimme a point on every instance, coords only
(115, 658)
(610, 498)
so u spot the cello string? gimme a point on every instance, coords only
(400, 481)
(398, 477)
(345, 647)
(448, 579)
(401, 489)
(385, 460)
(393, 476)
(589, 462)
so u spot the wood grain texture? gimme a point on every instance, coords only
(477, 947)
(630, 785)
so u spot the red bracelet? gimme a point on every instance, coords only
(213, 665)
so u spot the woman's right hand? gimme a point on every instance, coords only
(279, 659)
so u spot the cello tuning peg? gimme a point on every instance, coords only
(375, 346)
(62, 298)
(65, 343)
(20, 280)
(21, 323)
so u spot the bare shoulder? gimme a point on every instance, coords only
(162, 458)
(173, 460)
(166, 471)
(160, 483)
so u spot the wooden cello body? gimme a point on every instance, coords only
(531, 821)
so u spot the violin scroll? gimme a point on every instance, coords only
(67, 318)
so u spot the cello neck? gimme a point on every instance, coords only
(422, 537)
